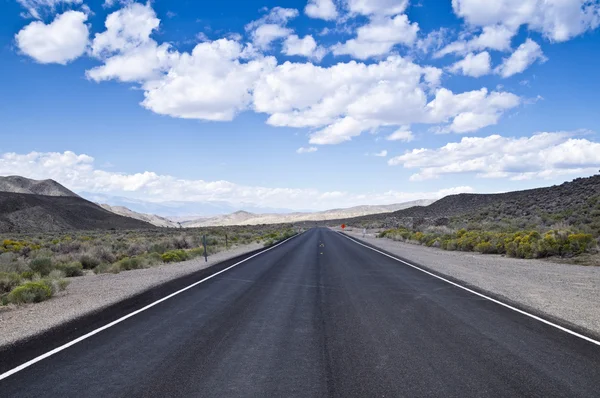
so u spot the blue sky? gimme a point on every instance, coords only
(482, 98)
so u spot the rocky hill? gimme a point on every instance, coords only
(247, 218)
(150, 218)
(46, 206)
(576, 203)
(18, 184)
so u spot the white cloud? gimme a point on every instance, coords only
(61, 41)
(402, 134)
(221, 78)
(128, 52)
(378, 7)
(494, 37)
(471, 110)
(381, 154)
(474, 65)
(271, 27)
(558, 20)
(543, 155)
(78, 172)
(36, 8)
(310, 149)
(433, 41)
(210, 83)
(521, 59)
(321, 9)
(306, 47)
(379, 36)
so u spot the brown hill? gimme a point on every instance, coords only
(576, 203)
(21, 212)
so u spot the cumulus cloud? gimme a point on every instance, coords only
(36, 8)
(219, 79)
(379, 36)
(376, 7)
(61, 41)
(321, 9)
(495, 37)
(402, 134)
(474, 65)
(558, 20)
(523, 57)
(305, 47)
(543, 155)
(79, 173)
(271, 27)
(306, 150)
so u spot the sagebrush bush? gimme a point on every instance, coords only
(30, 292)
(174, 256)
(71, 269)
(8, 281)
(89, 262)
(41, 265)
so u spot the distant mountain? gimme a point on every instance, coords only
(46, 206)
(179, 210)
(150, 218)
(247, 218)
(575, 203)
(18, 184)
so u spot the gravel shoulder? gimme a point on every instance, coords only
(561, 291)
(90, 293)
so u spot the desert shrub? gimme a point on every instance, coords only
(89, 262)
(484, 248)
(129, 263)
(30, 292)
(41, 265)
(174, 256)
(197, 252)
(10, 262)
(8, 281)
(71, 269)
(580, 243)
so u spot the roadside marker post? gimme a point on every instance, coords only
(204, 244)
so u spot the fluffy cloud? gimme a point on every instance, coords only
(271, 27)
(78, 172)
(218, 79)
(523, 57)
(381, 154)
(558, 20)
(376, 7)
(321, 9)
(495, 37)
(36, 8)
(306, 150)
(60, 42)
(379, 36)
(306, 47)
(543, 155)
(474, 65)
(402, 134)
(470, 110)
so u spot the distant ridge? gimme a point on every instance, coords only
(150, 218)
(46, 206)
(18, 184)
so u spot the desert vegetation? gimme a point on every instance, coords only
(34, 267)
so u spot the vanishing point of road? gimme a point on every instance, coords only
(318, 316)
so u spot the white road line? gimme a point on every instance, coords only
(537, 318)
(113, 323)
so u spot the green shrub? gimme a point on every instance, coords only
(71, 269)
(8, 281)
(484, 248)
(174, 256)
(89, 262)
(41, 265)
(30, 292)
(197, 252)
(27, 275)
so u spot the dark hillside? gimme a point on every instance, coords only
(39, 213)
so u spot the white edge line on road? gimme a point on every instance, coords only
(113, 323)
(537, 318)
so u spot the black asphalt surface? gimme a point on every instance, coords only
(320, 316)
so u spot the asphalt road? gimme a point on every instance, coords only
(320, 316)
